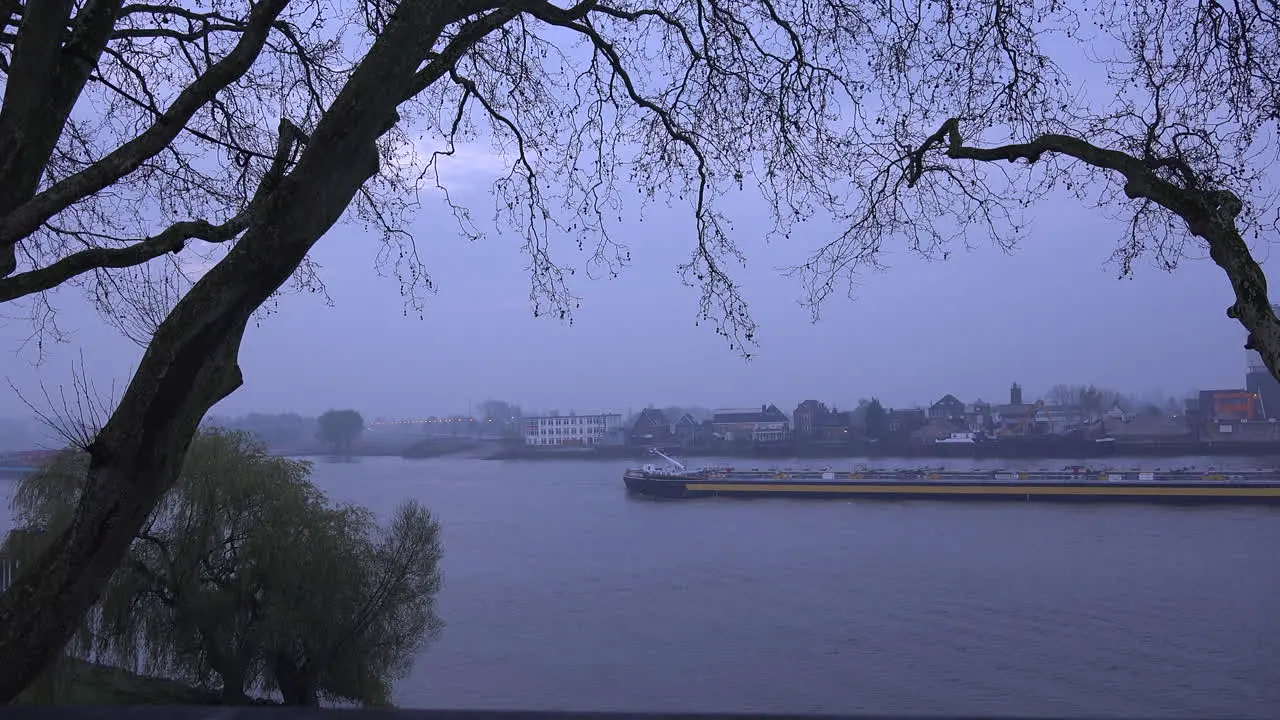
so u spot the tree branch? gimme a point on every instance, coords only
(171, 240)
(1209, 214)
(207, 23)
(28, 217)
(439, 64)
(43, 83)
(733, 319)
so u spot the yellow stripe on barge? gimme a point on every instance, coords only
(672, 485)
(941, 489)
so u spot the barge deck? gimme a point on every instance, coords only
(1071, 484)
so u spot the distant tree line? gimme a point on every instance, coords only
(1095, 401)
(277, 430)
(336, 430)
(339, 429)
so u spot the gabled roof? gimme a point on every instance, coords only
(651, 417)
(769, 414)
(686, 420)
(948, 399)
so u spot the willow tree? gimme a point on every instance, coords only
(134, 135)
(247, 578)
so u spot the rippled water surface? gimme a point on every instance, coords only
(564, 593)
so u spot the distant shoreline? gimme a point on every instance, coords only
(980, 451)
(1068, 451)
(1031, 450)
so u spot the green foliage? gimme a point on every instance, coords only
(877, 420)
(340, 428)
(247, 579)
(377, 621)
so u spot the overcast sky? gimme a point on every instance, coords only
(1052, 312)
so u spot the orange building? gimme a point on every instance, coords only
(1230, 405)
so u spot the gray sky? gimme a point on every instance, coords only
(1052, 312)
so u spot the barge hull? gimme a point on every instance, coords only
(1166, 493)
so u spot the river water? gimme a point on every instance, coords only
(564, 593)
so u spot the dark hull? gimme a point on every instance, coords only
(1251, 493)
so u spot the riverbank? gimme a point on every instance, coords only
(77, 682)
(1030, 450)
(1067, 451)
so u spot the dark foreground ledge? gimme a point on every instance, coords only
(296, 713)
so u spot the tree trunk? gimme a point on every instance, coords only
(191, 362)
(233, 682)
(44, 80)
(297, 687)
(232, 667)
(1210, 213)
(1252, 308)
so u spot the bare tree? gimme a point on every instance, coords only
(1062, 394)
(240, 132)
(74, 415)
(1183, 147)
(1093, 401)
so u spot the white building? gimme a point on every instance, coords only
(602, 429)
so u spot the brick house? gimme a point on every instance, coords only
(768, 425)
(650, 428)
(690, 433)
(906, 421)
(949, 408)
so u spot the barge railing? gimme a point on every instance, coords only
(1035, 476)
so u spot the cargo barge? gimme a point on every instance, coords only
(1076, 484)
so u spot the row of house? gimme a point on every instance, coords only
(1218, 414)
(811, 421)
